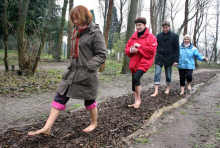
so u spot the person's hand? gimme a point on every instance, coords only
(133, 50)
(175, 64)
(206, 59)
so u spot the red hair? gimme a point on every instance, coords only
(82, 14)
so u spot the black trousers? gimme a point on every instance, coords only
(185, 75)
(136, 78)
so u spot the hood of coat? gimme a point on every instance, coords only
(189, 47)
(135, 35)
(93, 27)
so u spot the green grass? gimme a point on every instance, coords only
(12, 57)
(75, 106)
(210, 146)
(217, 136)
(209, 66)
(182, 112)
(112, 67)
(196, 146)
(141, 140)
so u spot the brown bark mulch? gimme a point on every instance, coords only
(116, 121)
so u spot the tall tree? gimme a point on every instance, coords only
(121, 9)
(163, 12)
(130, 30)
(157, 14)
(153, 16)
(5, 30)
(199, 19)
(186, 17)
(24, 61)
(173, 8)
(43, 34)
(108, 21)
(113, 28)
(107, 28)
(206, 40)
(58, 51)
(140, 7)
(103, 6)
(216, 32)
(71, 2)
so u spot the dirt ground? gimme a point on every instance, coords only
(195, 125)
(116, 121)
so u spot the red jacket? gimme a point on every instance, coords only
(144, 58)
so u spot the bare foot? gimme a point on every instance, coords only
(137, 105)
(90, 128)
(154, 94)
(131, 105)
(167, 91)
(41, 131)
(189, 87)
(181, 93)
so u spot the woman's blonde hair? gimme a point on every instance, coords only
(82, 14)
(187, 36)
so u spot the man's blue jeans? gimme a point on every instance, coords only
(157, 74)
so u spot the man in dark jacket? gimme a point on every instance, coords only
(167, 55)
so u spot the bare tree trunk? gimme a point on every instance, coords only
(69, 30)
(105, 13)
(23, 60)
(153, 16)
(58, 52)
(37, 59)
(216, 33)
(140, 7)
(164, 10)
(186, 17)
(107, 28)
(161, 13)
(122, 3)
(108, 22)
(5, 29)
(173, 9)
(157, 14)
(206, 40)
(130, 31)
(43, 34)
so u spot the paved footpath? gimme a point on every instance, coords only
(193, 125)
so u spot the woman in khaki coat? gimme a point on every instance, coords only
(80, 80)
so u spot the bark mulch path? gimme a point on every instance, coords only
(116, 121)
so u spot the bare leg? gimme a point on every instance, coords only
(155, 91)
(189, 86)
(135, 96)
(94, 122)
(182, 90)
(138, 98)
(47, 127)
(167, 91)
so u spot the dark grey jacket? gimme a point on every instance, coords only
(81, 75)
(167, 49)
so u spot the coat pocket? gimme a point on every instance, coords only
(81, 75)
(62, 87)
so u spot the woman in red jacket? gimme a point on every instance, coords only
(141, 49)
